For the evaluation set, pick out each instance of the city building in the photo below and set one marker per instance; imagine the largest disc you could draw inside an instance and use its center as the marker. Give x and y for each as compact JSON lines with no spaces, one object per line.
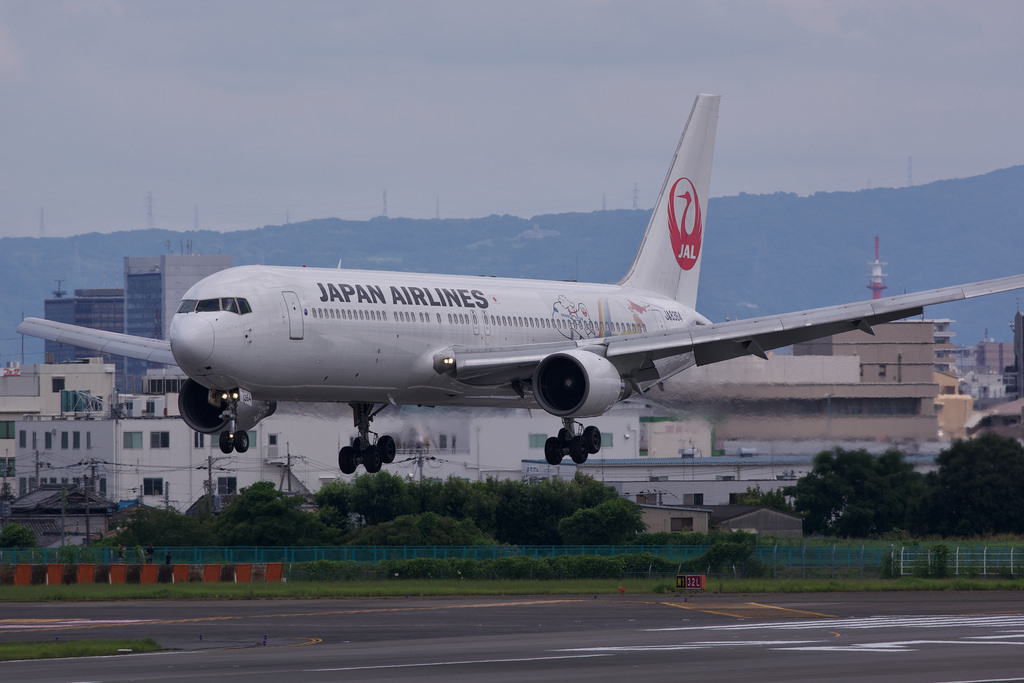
{"x":153,"y":288}
{"x":101,"y":309}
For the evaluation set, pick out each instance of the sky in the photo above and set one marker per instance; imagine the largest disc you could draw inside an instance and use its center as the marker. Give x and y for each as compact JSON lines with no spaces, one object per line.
{"x":234,"y":114}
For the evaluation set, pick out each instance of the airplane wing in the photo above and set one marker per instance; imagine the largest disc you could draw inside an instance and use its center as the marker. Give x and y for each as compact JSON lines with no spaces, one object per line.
{"x":720,"y":341}
{"x":753,"y":336}
{"x":142,"y":348}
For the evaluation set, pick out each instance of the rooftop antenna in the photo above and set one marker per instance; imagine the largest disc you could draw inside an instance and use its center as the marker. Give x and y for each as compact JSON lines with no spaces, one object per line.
{"x":876,"y":278}
{"x":59,"y":292}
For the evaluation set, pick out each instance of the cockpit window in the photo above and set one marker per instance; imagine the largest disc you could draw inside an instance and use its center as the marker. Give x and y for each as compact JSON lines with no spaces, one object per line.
{"x":228,"y":304}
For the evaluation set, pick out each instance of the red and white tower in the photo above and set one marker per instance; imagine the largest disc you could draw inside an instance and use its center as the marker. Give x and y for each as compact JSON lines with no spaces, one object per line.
{"x":876,"y":278}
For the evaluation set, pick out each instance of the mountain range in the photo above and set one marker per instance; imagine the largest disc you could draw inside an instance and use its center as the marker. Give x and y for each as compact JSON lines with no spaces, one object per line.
{"x":762,"y":253}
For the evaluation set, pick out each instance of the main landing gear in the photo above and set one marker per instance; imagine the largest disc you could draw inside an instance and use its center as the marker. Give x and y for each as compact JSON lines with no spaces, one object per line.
{"x":573,"y":440}
{"x":372,"y":454}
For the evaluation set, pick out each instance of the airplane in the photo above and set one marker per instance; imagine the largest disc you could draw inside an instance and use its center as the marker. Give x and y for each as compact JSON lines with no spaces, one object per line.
{"x":251,"y":336}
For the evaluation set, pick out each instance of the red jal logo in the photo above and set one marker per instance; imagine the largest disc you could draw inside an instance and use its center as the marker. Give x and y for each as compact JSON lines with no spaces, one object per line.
{"x":685,"y":227}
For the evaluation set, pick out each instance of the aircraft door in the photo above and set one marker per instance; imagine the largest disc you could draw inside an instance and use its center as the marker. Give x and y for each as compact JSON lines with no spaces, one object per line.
{"x":476,"y":323}
{"x":295,"y":323}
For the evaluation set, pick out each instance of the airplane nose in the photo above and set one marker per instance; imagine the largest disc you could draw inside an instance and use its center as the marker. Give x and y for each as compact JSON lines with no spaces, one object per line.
{"x":192,"y":340}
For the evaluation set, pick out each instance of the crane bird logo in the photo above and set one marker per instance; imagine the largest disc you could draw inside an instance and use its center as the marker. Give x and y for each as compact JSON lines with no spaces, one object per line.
{"x":685,"y":225}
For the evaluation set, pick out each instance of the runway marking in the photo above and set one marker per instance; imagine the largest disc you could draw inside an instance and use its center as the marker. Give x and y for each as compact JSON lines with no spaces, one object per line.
{"x":697,"y":645}
{"x":798,"y":611}
{"x":16,"y":625}
{"x":860,"y":623}
{"x":455,"y":663}
{"x":737,"y":608}
{"x":707,"y":611}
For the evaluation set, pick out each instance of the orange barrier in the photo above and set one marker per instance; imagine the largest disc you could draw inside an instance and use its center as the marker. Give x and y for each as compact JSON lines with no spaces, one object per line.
{"x":54,"y":574}
{"x":149,"y":573}
{"x":23,"y":575}
{"x":86,"y":573}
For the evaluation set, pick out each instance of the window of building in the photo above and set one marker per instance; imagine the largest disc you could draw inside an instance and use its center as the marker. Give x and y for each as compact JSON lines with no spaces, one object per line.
{"x":22,"y":435}
{"x":159,"y":439}
{"x":57,"y":384}
{"x":537,"y":440}
{"x":76,"y":439}
{"x":88,"y":440}
{"x":442,"y":441}
{"x":226,"y":485}
{"x":64,"y":440}
{"x":681,"y":523}
{"x":198,"y":439}
{"x":47,"y":440}
{"x":133,"y":439}
{"x":35,"y":440}
{"x":153,"y":486}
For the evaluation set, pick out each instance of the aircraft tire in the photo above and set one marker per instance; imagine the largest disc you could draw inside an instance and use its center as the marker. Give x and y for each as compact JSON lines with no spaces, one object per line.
{"x":592,"y":439}
{"x":553,"y":450}
{"x":578,"y":450}
{"x":227,"y":444}
{"x":347,"y":460}
{"x":386,"y":448}
{"x":564,"y":435}
{"x":371,"y":459}
{"x":241,"y":442}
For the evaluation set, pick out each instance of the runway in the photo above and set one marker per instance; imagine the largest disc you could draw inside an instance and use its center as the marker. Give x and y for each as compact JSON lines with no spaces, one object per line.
{"x":933,"y":637}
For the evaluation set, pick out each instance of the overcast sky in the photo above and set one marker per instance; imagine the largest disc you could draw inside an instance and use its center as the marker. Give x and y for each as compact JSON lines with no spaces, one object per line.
{"x":241,"y":113}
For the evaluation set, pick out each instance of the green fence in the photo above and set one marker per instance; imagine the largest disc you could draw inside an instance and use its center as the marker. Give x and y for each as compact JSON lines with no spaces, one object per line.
{"x":867,"y":560}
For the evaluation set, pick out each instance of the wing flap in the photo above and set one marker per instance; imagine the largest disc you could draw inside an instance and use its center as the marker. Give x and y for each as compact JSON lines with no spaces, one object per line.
{"x":142,"y":348}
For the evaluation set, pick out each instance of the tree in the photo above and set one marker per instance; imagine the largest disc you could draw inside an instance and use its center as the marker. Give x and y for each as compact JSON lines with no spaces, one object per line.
{"x":612,"y":522}
{"x":776,"y":499}
{"x":978,"y":489}
{"x":855,"y":494}
{"x":164,"y":527}
{"x":262,"y":515}
{"x":381,"y":497}
{"x":17,"y":536}
{"x":425,"y":529}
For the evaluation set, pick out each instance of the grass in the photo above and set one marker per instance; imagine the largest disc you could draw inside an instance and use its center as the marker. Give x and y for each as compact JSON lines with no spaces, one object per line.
{"x":309,"y":590}
{"x":73,"y":648}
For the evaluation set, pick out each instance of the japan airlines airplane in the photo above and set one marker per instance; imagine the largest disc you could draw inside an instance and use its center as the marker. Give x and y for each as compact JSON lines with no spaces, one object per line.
{"x":250,"y":336}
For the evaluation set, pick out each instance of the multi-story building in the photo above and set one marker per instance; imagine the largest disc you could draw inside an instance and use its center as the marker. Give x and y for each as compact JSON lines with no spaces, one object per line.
{"x":153,"y":288}
{"x":100,"y":309}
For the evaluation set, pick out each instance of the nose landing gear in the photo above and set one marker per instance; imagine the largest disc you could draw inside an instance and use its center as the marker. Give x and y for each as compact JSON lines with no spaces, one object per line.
{"x":230,"y":440}
{"x":373,"y":454}
{"x":573,"y":440}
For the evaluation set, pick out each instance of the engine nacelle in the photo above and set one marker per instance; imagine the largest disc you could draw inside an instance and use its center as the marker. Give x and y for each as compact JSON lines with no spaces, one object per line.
{"x":577,"y":383}
{"x":203,"y":409}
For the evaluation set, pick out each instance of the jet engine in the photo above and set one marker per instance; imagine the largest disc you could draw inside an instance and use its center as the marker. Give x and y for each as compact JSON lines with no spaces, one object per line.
{"x":577,"y":383}
{"x":204,"y":409}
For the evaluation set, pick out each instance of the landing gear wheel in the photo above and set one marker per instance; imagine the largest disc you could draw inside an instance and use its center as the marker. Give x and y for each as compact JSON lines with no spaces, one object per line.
{"x":371,"y":459}
{"x":578,"y":450}
{"x":227,"y":443}
{"x":553,"y":450}
{"x":386,"y":448}
{"x":358,"y":445}
{"x":592,"y":439}
{"x":347,"y":460}
{"x":565,"y":435}
{"x":242,"y":442}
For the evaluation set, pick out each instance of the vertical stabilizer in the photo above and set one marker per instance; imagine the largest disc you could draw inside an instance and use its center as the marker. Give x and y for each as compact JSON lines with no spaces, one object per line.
{"x":669,"y":258}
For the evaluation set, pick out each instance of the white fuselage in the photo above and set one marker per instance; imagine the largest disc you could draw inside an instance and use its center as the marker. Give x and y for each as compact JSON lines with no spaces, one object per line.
{"x":318,"y":334}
